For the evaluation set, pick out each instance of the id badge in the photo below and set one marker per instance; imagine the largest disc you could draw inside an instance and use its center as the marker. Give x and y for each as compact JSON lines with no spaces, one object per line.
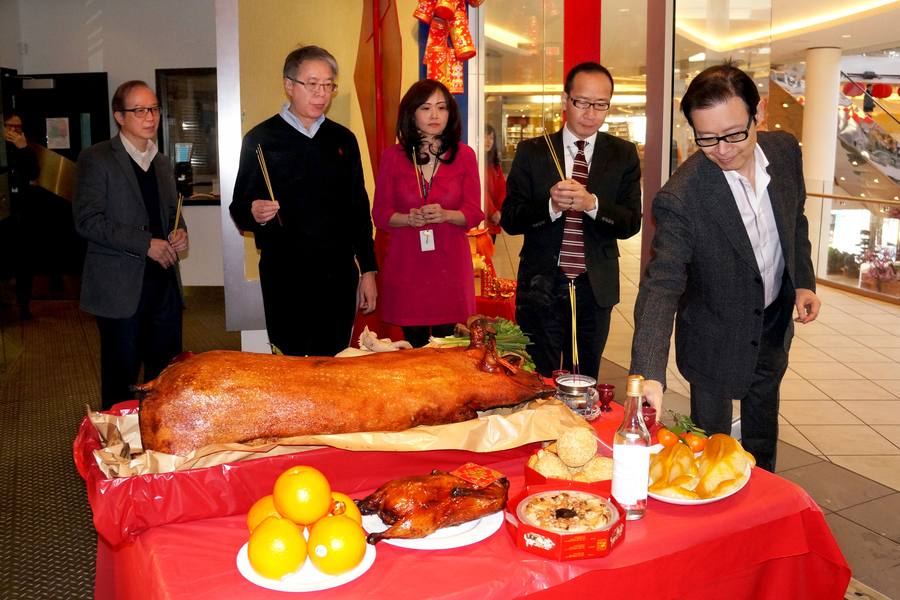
{"x":426,"y":237}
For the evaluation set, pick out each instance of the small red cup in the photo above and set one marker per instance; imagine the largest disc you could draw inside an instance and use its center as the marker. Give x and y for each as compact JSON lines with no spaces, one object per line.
{"x":559,"y":372}
{"x":606,"y":393}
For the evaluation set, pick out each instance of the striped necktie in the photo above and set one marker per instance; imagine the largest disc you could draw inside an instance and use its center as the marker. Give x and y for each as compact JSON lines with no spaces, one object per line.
{"x":571,"y":255}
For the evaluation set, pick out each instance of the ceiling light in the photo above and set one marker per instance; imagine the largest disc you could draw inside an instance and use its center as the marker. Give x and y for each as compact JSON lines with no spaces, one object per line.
{"x":504,"y":36}
{"x":777,"y":126}
{"x":846,"y":36}
{"x":784,"y":105}
{"x":843,"y":179}
{"x":876,"y":181}
{"x":697,"y":57}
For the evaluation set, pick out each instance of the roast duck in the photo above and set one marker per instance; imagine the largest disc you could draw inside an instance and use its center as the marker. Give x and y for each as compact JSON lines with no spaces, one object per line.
{"x":723,"y":468}
{"x":420,"y":505}
{"x":227,"y":397}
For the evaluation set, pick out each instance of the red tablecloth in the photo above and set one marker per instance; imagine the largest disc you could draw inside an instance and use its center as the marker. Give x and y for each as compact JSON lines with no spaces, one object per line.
{"x":769,"y":540}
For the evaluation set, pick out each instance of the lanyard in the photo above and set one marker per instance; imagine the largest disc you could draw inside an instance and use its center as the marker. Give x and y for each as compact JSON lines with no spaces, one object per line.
{"x":424,"y":184}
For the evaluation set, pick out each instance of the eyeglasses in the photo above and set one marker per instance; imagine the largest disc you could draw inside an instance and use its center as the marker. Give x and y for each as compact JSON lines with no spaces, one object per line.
{"x":13,"y":126}
{"x":731,"y":138}
{"x":313,"y":86}
{"x":584,"y":104}
{"x":141,"y":111}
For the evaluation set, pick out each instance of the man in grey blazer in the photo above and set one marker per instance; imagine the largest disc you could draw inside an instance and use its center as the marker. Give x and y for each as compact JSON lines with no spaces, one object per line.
{"x":731,"y":260}
{"x":125,"y":205}
{"x":595,"y":212}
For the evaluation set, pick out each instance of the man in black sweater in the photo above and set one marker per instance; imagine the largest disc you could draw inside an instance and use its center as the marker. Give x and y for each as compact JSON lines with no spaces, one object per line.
{"x":315,"y":235}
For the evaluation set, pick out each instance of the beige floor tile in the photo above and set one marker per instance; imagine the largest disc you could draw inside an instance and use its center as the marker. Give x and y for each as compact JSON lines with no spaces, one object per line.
{"x":790,"y":374}
{"x":619,"y":338}
{"x":834,"y":440}
{"x":842,"y":389}
{"x":807,"y":354}
{"x":880,"y":318}
{"x":891,"y":432}
{"x":790,"y":435}
{"x":832,"y":315}
{"x":891,"y":385}
{"x":856,"y":355}
{"x":892,"y":353}
{"x":800,"y":389}
{"x":875,"y":412}
{"x":814,"y":328}
{"x":826,"y":369}
{"x":878,"y":370}
{"x":798,"y":343}
{"x":858,"y":328}
{"x":883,"y":469}
{"x":782,"y":422}
{"x":836,"y":340}
{"x":618,"y":354}
{"x":877,"y":341}
{"x":818,"y":412}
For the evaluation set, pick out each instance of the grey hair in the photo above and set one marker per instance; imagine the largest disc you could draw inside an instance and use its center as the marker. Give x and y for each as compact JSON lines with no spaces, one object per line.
{"x":304,"y":53}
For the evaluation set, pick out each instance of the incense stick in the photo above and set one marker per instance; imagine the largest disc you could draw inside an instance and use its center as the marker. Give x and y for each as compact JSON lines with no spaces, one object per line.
{"x":562,"y":175}
{"x":575,"y":368}
{"x":265,"y":173}
{"x":178,"y":213}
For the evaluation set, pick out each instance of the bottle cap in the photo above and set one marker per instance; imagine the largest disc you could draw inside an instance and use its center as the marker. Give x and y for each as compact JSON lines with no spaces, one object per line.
{"x":635,"y":385}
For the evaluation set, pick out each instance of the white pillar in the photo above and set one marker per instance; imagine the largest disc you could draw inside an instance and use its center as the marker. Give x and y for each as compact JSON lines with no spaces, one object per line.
{"x":820,"y":117}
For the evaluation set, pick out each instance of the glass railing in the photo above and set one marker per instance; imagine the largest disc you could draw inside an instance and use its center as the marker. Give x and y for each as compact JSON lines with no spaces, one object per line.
{"x":863,"y":244}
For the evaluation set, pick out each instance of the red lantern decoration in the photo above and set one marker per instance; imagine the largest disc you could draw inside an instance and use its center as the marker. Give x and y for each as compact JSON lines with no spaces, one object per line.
{"x":852,"y":90}
{"x":881,"y":90}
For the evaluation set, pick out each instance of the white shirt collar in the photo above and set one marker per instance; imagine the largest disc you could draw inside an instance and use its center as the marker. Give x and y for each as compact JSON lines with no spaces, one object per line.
{"x":294,"y":122}
{"x":569,"y":138}
{"x":143,"y":159}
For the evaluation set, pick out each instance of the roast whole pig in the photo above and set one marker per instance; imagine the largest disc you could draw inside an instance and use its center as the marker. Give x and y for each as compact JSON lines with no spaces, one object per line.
{"x":240,"y":397}
{"x":420,"y":505}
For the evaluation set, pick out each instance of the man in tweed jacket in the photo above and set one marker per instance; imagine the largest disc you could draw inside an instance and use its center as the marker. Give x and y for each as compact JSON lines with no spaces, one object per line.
{"x":731,"y":261}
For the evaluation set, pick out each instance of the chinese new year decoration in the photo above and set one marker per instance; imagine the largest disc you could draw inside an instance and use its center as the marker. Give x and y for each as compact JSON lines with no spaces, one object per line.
{"x":448,"y":22}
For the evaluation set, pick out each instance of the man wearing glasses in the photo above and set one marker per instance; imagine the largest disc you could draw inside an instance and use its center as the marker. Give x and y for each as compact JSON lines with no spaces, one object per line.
{"x":317,"y":227}
{"x":731,"y":260}
{"x":125,"y":205}
{"x":571,"y":225}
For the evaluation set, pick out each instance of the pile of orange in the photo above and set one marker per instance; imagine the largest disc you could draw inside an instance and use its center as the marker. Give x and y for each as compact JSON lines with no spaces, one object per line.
{"x":302,"y":498}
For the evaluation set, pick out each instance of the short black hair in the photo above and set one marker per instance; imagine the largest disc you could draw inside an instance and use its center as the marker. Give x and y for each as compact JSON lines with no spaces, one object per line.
{"x":408,"y":133}
{"x":121,"y":95}
{"x":587,"y":67}
{"x":304,"y":53}
{"x":717,"y":85}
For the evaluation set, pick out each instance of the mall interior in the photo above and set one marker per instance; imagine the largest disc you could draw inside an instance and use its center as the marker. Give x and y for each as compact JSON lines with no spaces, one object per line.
{"x":828,"y":72}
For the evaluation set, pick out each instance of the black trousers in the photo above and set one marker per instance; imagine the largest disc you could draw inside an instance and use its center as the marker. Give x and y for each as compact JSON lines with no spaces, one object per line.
{"x":152,"y":337}
{"x":308,"y":313}
{"x":759,"y":408}
{"x":550,"y":328}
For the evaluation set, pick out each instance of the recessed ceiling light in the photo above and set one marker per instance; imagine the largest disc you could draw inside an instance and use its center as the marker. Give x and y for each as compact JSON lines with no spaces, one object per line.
{"x":862,"y":195}
{"x":876,"y":181}
{"x":843,"y":179}
{"x":777,"y":126}
{"x":784,"y":105}
{"x":846,"y":36}
{"x":624,"y":9}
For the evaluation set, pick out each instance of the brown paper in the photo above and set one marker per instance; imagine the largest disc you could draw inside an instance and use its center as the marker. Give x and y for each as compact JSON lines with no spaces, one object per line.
{"x":494,"y":430}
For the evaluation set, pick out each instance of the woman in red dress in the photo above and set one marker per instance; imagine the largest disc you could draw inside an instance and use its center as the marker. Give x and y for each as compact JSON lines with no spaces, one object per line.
{"x":427,"y":196}
{"x":494,"y":183}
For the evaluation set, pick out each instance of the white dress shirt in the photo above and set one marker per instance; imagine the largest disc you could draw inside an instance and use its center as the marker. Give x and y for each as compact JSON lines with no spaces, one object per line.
{"x":294,"y":122}
{"x":759,"y":221}
{"x":571,"y":150}
{"x":143,"y":159}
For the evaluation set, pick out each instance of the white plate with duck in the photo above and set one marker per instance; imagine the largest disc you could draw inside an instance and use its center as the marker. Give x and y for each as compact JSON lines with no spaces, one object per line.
{"x":442,"y":539}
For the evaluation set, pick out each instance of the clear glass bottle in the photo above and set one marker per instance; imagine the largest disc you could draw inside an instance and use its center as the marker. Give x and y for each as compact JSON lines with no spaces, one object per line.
{"x":631,"y":454}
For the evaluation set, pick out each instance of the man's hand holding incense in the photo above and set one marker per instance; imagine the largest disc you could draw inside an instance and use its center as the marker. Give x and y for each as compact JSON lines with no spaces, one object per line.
{"x":570,"y":195}
{"x":264,"y":210}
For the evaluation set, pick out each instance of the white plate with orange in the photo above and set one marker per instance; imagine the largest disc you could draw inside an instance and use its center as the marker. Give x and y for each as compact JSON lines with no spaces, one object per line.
{"x":307,"y":579}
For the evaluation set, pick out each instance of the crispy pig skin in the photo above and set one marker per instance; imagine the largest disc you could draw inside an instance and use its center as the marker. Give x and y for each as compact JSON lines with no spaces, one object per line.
{"x":226,"y":397}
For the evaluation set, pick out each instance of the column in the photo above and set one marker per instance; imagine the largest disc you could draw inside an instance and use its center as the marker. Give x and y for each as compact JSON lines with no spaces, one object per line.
{"x":823,"y":76}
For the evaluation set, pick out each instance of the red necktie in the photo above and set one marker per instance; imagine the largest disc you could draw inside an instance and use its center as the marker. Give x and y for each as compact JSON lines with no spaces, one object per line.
{"x":571,"y":255}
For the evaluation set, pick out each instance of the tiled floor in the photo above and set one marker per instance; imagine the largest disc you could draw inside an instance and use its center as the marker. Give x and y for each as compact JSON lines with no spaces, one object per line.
{"x":840,"y":414}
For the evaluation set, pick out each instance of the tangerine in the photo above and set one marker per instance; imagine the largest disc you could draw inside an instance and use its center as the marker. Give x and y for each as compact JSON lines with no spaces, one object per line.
{"x":302,"y":494}
{"x":337,"y":544}
{"x":342,"y":504}
{"x":276,"y":548}
{"x":261,"y":510}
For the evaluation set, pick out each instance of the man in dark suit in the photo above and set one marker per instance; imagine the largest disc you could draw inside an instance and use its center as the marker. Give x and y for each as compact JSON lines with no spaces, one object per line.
{"x":571,"y":225}
{"x":731,"y":259}
{"x":125,"y":205}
